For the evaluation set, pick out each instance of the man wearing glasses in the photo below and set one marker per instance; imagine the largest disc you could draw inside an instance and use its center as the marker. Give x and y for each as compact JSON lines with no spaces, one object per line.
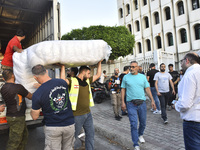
{"x":188,"y":103}
{"x":135,"y":85}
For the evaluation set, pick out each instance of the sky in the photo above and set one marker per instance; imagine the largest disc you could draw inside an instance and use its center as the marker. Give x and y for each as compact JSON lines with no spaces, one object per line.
{"x":76,"y":14}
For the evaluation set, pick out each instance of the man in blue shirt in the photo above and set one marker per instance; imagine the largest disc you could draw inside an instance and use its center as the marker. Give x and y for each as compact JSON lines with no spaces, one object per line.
{"x":53,"y":97}
{"x":134,"y":85}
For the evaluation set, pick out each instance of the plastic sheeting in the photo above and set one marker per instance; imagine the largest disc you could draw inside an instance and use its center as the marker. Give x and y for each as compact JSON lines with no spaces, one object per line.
{"x":71,"y":53}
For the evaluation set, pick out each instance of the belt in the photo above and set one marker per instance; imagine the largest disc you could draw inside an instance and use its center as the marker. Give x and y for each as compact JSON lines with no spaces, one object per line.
{"x":191,"y":121}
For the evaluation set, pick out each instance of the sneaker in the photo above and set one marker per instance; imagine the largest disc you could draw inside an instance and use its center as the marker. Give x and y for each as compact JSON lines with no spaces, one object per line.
{"x":137,"y":148}
{"x":157,"y":112}
{"x":141,"y":139}
{"x":165,"y":122}
{"x":151,"y":110}
{"x":117,"y":118}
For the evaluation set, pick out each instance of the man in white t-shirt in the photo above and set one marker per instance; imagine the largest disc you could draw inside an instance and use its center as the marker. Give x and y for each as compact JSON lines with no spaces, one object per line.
{"x":162,"y":80}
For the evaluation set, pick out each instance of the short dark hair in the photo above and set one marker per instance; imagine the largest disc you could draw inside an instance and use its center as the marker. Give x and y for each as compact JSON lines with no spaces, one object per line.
{"x":38,"y":70}
{"x":75,"y":70}
{"x":104,"y":71}
{"x":7,"y":74}
{"x":126,"y":68}
{"x":20,"y":33}
{"x":161,"y":64}
{"x":192,"y":58}
{"x":83,"y":68}
{"x":151,"y":65}
{"x":134,"y":62}
{"x":170,"y":65}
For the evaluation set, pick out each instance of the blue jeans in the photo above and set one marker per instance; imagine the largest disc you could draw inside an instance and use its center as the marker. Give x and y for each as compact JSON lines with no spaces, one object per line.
{"x":191,"y":132}
{"x":155,"y":97}
{"x":86,"y":122}
{"x":135,"y":112}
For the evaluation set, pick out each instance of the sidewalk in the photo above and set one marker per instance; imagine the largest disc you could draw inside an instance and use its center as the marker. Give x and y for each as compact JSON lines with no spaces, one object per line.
{"x":157,"y":135}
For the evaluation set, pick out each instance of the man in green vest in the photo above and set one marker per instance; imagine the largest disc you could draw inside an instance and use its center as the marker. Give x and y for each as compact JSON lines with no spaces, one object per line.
{"x":81,"y":100}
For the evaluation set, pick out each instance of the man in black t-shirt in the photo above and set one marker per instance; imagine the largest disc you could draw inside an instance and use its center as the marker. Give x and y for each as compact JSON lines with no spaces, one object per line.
{"x":150,"y":75}
{"x":126,"y":71}
{"x":14,"y":97}
{"x":175,"y":80}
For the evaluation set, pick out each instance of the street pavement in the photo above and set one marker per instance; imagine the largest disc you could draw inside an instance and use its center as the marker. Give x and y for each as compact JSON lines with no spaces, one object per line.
{"x":158,"y":136}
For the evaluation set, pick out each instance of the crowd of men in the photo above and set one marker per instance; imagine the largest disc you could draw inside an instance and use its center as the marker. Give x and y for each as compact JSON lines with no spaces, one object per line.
{"x":66,"y":102}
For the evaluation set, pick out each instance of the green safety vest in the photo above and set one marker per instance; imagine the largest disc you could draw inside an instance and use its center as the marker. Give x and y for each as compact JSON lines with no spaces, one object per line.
{"x":73,"y":93}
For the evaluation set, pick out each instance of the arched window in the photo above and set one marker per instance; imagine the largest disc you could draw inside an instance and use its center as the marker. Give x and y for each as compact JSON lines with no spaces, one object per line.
{"x":159,"y":44}
{"x":138,"y":25}
{"x":197,"y":31}
{"x":195,"y":4}
{"x":156,"y":16}
{"x":121,"y":13}
{"x":139,"y":47}
{"x":183,"y":36}
{"x":136,"y":4}
{"x":167,"y":13}
{"x":180,"y":8}
{"x":146,"y":22}
{"x":130,"y":28}
{"x":148,"y":45}
{"x":127,"y":9}
{"x":144,"y":2}
{"x":170,"y":39}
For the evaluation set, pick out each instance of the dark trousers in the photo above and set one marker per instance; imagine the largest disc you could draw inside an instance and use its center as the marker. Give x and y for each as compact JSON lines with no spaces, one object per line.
{"x":18,"y":133}
{"x":172,"y":96}
{"x":191,"y":132}
{"x":163,"y":103}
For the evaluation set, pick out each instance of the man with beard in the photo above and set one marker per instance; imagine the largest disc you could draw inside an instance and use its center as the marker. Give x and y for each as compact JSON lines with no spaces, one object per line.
{"x":162,"y":80}
{"x":134,"y":85}
{"x":81,"y":99}
{"x":114,"y":86}
{"x":188,"y":103}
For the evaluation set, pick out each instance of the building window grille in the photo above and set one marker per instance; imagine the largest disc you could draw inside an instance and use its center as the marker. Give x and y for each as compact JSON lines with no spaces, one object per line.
{"x":167,"y":13}
{"x":180,"y":8}
{"x":144,"y":2}
{"x":170,"y":39}
{"x":138,"y":25}
{"x":158,"y":39}
{"x":197,"y":31}
{"x":140,"y":47}
{"x":195,"y":4}
{"x":156,"y":15}
{"x":183,"y":36}
{"x":129,"y":28}
{"x":146,"y":22}
{"x":128,"y":9}
{"x":148,"y":45}
{"x":136,"y":4}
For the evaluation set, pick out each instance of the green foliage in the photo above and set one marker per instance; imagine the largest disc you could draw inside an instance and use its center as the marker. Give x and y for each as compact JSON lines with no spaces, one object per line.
{"x":119,"y":38}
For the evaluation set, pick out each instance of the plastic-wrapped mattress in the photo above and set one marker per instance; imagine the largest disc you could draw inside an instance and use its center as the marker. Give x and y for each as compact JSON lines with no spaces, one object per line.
{"x":71,"y":53}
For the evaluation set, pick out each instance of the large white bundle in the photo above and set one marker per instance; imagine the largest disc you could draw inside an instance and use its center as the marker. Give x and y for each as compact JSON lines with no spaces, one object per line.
{"x":70,"y":53}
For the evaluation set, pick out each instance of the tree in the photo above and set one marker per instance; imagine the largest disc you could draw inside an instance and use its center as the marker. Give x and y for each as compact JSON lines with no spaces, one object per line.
{"x":119,"y":38}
